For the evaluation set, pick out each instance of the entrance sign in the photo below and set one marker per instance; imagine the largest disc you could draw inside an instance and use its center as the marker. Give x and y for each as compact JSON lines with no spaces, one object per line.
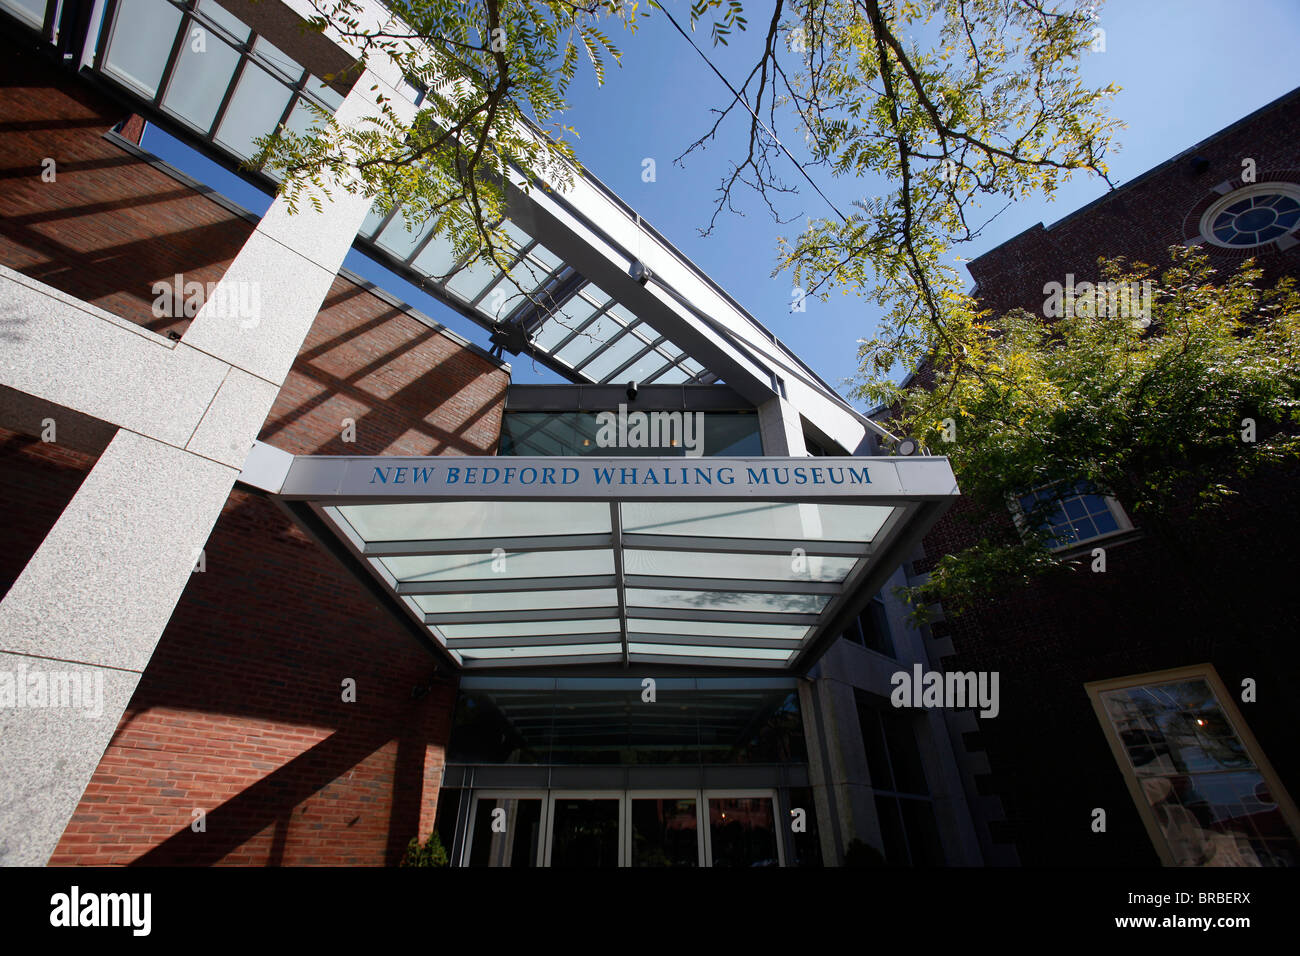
{"x":590,"y":478}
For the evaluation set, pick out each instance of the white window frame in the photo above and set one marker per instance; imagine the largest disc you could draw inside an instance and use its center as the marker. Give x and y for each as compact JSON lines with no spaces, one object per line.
{"x":1273,"y":187}
{"x":1123,"y":525}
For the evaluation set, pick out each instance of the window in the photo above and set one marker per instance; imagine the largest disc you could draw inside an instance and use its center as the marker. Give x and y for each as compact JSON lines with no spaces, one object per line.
{"x":1073,"y":515}
{"x":1253,"y":216}
{"x":871,"y":628}
{"x":1206,"y":792}
{"x":903,"y":803}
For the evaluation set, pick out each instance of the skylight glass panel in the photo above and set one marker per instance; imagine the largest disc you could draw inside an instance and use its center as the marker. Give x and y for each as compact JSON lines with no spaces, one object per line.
{"x":198,"y":84}
{"x":318,"y":89}
{"x":449,"y":520}
{"x":757,"y":519}
{"x":280,"y":62}
{"x":452,"y":604}
{"x":401,"y":241}
{"x":691,"y":650}
{"x":673,"y":376}
{"x":715,"y":629}
{"x":566,"y":319}
{"x":436,"y":259}
{"x":507,"y":630}
{"x":644,"y":367}
{"x":254,"y":110}
{"x":142,"y":38}
{"x":747,"y":601}
{"x":552,"y":650}
{"x":224,"y":20}
{"x":741,"y":567}
{"x":371,"y":222}
{"x":589,"y":339}
{"x":614,"y":356}
{"x":31,"y":11}
{"x":499,"y":567}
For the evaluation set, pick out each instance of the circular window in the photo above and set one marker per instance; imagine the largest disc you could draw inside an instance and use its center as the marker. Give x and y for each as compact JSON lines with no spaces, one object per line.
{"x":1253,"y":216}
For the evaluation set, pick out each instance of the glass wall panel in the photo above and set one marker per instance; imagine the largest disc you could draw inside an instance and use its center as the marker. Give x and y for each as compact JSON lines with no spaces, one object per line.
{"x":720,"y":721}
{"x":725,"y":433}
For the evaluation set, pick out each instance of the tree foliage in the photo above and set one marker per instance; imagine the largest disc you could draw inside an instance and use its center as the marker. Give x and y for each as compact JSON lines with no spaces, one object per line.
{"x":991,"y":106}
{"x":1162,"y":412}
{"x":495,"y":77}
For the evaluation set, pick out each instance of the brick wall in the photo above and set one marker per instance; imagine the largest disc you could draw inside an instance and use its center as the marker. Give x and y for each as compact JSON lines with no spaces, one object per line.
{"x":1222,"y":593}
{"x":240,"y":712}
{"x":1143,"y":219}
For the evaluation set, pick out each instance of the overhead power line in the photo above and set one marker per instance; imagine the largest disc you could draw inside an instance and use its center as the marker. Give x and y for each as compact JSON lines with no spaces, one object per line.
{"x":745,"y":102}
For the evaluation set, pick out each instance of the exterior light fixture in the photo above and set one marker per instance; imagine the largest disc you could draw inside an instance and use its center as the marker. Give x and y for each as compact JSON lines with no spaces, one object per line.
{"x":907,"y":447}
{"x":631,"y":391}
{"x":638,"y":271}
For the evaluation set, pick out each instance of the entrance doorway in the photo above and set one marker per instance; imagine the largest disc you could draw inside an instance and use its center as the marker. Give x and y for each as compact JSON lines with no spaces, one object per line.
{"x":671,"y":828}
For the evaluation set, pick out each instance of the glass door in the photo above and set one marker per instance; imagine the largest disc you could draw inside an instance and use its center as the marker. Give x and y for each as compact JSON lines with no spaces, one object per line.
{"x":505,"y":830}
{"x":585,"y":830}
{"x":664,"y":830}
{"x":597,"y":829}
{"x":742,"y":829}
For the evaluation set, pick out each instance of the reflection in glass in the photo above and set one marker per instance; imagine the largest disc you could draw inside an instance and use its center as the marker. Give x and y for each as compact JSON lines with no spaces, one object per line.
{"x":1209,"y":799}
{"x":585,"y":833}
{"x":742,"y":831}
{"x":664,"y":833}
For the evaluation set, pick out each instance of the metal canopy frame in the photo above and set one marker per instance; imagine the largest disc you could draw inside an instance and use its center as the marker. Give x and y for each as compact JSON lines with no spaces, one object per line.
{"x":683,"y":328}
{"x":806,"y":613}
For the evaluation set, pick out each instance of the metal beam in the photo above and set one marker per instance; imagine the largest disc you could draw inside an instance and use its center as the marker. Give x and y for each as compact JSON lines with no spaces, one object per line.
{"x":616,"y":522}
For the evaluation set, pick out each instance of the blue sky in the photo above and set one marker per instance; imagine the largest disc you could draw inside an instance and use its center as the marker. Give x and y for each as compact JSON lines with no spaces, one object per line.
{"x":1187,"y":68}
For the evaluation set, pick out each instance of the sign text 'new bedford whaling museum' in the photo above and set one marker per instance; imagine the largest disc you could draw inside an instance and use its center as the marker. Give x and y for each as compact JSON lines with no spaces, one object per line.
{"x":599,"y":478}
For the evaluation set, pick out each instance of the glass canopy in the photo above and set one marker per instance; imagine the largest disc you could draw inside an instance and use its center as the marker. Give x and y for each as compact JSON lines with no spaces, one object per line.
{"x":533,"y":562}
{"x":200,"y":67}
{"x":583,"y":331}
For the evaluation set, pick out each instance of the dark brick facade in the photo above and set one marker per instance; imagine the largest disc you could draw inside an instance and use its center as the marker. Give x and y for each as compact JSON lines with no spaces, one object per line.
{"x":240,"y":712}
{"x":1221,"y":594}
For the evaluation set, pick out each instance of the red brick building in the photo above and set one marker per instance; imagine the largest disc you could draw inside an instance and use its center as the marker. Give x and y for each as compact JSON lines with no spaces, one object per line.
{"x":1225,"y":601}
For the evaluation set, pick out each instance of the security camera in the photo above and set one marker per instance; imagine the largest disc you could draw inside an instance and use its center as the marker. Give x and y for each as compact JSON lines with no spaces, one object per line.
{"x":631,"y":391}
{"x":638,"y":271}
